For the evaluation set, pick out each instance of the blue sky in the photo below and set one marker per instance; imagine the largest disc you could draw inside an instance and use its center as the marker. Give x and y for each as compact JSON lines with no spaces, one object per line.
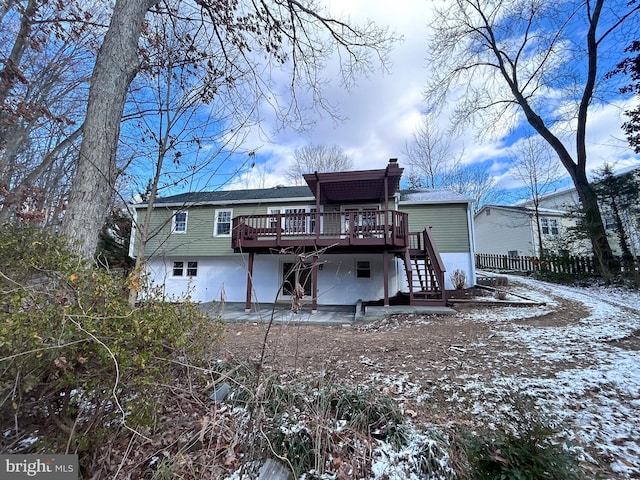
{"x":381,"y":112}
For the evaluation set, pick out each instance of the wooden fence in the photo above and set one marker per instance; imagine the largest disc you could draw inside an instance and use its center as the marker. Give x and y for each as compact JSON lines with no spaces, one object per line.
{"x":573,"y":265}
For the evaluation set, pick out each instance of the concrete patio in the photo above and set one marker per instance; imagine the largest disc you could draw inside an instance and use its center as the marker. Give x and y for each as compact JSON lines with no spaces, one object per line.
{"x":326,"y":314}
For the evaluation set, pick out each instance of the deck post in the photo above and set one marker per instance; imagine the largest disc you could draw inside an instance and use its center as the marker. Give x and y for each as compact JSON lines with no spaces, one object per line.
{"x":247,"y":304}
{"x":314,"y":285}
{"x":385,"y":269}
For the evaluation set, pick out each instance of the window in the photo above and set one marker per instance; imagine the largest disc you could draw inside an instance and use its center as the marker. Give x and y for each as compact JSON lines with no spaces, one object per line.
{"x":363,"y":269}
{"x":366,"y":220}
{"x":293,"y":220}
{"x":179,"y":269}
{"x":544,"y":225}
{"x":549,"y":226}
{"x":192,"y":269}
{"x":488,"y":212}
{"x":179,"y":222}
{"x":222,"y":227}
{"x":512,"y":253}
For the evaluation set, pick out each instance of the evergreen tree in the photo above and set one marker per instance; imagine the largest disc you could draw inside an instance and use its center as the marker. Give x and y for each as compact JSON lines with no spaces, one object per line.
{"x":618,"y":195}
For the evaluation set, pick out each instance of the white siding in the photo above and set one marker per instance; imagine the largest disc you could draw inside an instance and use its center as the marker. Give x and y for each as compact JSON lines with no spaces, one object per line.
{"x":503,"y":231}
{"x":226,"y":277}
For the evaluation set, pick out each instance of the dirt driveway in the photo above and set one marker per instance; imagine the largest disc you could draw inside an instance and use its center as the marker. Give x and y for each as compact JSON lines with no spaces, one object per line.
{"x":577,"y":355}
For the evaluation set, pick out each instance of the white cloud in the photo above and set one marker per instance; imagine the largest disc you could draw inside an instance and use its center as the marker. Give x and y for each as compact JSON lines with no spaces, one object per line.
{"x":381,"y":111}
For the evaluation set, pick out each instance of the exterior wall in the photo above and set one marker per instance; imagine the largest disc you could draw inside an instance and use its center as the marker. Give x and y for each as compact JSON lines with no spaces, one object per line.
{"x":452,"y":261}
{"x":453,"y":233}
{"x":225,"y":277}
{"x":562,"y":242}
{"x":222,"y":273}
{"x":501,"y":232}
{"x":448,"y":223}
{"x":199,"y":239}
{"x":569,"y":201}
{"x":505,"y":231}
{"x":565,"y":200}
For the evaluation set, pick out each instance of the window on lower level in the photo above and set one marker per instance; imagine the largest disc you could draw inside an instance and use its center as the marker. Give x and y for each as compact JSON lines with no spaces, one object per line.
{"x":363,"y":269}
{"x":181,"y":269}
{"x":549,"y":226}
{"x":512,"y":253}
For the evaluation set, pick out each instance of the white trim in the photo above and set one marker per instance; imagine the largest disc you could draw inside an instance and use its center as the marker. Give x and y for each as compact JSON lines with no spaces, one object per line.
{"x":173,"y":222}
{"x":215,"y":222}
{"x":185,"y":269}
{"x":360,"y":207}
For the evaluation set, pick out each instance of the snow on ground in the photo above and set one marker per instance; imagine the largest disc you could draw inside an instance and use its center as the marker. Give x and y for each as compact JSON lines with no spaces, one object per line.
{"x":582,"y":368}
{"x":598,"y":400}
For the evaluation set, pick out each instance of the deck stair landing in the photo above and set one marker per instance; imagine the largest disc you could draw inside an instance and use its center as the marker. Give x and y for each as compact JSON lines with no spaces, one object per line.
{"x":425,"y":271}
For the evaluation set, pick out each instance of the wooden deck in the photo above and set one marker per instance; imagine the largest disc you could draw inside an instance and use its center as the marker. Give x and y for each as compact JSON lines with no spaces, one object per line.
{"x":375,"y":229}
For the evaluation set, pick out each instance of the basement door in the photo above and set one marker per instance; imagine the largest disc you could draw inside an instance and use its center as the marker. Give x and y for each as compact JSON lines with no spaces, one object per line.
{"x":293,"y":273}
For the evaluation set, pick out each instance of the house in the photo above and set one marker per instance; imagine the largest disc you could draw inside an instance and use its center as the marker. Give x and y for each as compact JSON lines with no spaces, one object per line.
{"x":513,"y":230}
{"x":343,"y":237}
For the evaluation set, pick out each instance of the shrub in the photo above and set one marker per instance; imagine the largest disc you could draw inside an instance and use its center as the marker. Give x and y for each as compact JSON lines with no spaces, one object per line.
{"x":78,"y":363}
{"x":315,"y":425}
{"x":458,"y":279}
{"x":523,"y":448}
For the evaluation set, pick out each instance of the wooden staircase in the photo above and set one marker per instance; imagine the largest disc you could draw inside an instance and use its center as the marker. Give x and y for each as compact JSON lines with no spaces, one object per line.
{"x":425,"y":271}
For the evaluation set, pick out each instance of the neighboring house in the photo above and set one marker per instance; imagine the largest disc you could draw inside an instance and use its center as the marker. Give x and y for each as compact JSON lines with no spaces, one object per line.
{"x":513,"y":231}
{"x":344,"y":237}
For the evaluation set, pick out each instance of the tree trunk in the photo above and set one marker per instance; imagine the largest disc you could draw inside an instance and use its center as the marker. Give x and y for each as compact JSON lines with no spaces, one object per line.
{"x":11,"y":72}
{"x":586,"y":193}
{"x":594,"y":224}
{"x":541,"y":254}
{"x":116,"y":66}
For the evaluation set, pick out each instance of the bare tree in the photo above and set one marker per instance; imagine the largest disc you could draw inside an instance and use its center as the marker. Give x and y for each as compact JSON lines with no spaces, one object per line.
{"x":432,"y":159}
{"x":630,"y":66}
{"x":291,"y":34}
{"x":435,"y":163}
{"x":317,"y":158}
{"x":534,"y":165}
{"x":476,"y":181}
{"x":524,"y":57}
{"x":172,"y":128}
{"x":43,"y":92}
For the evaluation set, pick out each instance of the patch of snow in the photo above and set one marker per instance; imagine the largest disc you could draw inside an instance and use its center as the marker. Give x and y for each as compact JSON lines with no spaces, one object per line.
{"x":424,"y":455}
{"x":592,"y":387}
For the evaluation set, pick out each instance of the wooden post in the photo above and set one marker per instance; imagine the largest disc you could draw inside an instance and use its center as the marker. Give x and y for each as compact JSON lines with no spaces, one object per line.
{"x":247,"y":304}
{"x":314,"y":285}
{"x":385,"y":269}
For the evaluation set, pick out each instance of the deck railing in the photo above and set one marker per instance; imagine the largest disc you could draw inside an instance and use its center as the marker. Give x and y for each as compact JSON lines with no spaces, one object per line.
{"x":371,"y":227}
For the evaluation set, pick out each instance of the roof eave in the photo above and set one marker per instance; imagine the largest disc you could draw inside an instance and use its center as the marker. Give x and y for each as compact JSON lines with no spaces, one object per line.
{"x":227,"y":202}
